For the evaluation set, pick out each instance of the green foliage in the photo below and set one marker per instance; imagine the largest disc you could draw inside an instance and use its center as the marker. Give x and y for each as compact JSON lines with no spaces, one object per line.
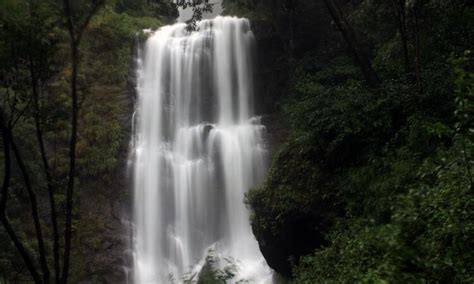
{"x":464,"y":92}
{"x":382,"y":178}
{"x":106,"y":59}
{"x":371,"y":186}
{"x":165,"y":10}
{"x":410,"y":218}
{"x":426,"y":240}
{"x":299,"y":196}
{"x":103,"y":136}
{"x":296,"y":199}
{"x":33,"y":38}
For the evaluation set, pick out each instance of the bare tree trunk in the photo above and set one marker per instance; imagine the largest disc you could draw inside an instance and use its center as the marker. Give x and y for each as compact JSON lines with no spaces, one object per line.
{"x":403,"y":35}
{"x":400,"y":10}
{"x":72,"y":163}
{"x":3,"y":202}
{"x":416,"y":31}
{"x":361,"y":59}
{"x":46,"y":169}
{"x":290,"y":7}
{"x":34,"y":209}
{"x":75,"y":35}
{"x":34,"y":205}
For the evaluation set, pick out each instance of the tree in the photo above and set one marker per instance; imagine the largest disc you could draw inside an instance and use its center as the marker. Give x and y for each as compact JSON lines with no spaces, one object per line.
{"x":6,"y":137}
{"x":76,"y":25}
{"x":290,"y":7}
{"x":27,"y":68}
{"x":357,"y":52}
{"x":401,"y":15}
{"x":39,"y":65}
{"x":25,"y":58}
{"x":199,"y":7}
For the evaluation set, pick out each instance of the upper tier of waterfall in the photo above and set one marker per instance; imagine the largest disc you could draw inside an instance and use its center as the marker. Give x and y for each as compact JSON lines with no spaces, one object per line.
{"x":198,"y":147}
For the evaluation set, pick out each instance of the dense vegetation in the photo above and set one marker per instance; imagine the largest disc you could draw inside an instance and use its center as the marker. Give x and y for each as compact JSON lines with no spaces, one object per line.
{"x":374,"y":182}
{"x":370,"y":109}
{"x":35,"y":106}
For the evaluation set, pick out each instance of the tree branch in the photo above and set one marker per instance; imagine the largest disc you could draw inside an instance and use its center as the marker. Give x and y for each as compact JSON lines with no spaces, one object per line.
{"x":349,"y":36}
{"x":3,"y":202}
{"x":75,"y":39}
{"x":34,"y":209}
{"x":46,"y":170}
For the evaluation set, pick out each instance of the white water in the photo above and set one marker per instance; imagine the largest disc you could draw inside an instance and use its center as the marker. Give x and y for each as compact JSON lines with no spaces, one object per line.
{"x":198,"y":148}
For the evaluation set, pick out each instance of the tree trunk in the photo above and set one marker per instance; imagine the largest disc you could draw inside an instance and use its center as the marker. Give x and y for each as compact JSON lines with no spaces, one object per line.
{"x":290,"y":7}
{"x":3,"y":202}
{"x":400,"y":10}
{"x":46,"y":170}
{"x":75,"y":35}
{"x":361,"y":59}
{"x":34,"y":209}
{"x":72,"y":162}
{"x":416,"y":32}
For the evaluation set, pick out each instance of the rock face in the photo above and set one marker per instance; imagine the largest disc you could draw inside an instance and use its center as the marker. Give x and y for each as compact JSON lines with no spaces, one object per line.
{"x":302,"y":222}
{"x":294,"y":208}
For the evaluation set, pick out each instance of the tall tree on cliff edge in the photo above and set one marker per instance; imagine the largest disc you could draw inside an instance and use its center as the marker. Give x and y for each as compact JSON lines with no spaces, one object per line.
{"x":76,"y":25}
{"x":39,"y":64}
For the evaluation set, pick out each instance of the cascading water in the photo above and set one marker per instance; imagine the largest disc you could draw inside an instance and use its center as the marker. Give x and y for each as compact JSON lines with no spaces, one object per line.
{"x":198,"y":148}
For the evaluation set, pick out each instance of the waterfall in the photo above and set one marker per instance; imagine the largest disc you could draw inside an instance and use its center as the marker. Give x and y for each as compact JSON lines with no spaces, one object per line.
{"x":198,"y":147}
